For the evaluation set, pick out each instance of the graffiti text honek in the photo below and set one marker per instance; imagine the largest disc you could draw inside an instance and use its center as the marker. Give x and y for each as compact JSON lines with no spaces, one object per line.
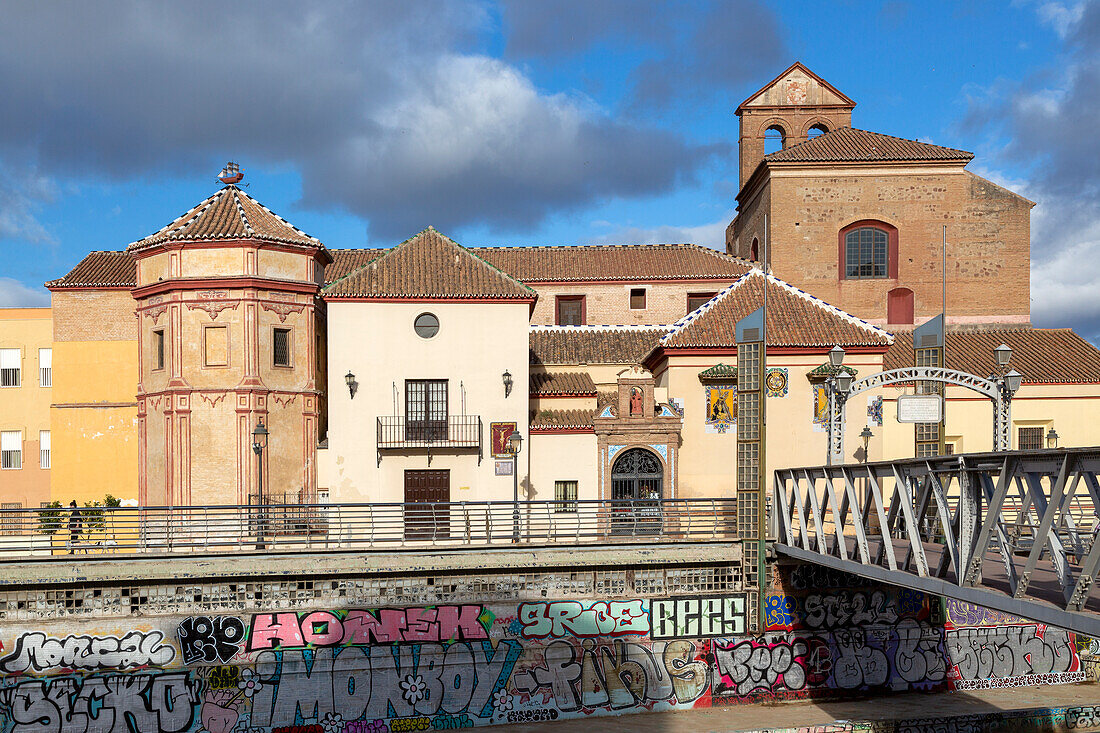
{"x":698,"y":617}
{"x":354,"y":628}
{"x":572,"y":618}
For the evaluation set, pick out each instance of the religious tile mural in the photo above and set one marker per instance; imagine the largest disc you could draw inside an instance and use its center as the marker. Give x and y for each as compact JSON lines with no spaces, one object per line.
{"x":721,"y":408}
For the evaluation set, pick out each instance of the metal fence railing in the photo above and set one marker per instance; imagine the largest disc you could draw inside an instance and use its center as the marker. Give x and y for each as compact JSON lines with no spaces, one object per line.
{"x":452,"y":431}
{"x":304,"y":527}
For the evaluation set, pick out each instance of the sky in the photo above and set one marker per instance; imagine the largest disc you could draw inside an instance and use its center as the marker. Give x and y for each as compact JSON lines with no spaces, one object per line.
{"x":516,"y":122}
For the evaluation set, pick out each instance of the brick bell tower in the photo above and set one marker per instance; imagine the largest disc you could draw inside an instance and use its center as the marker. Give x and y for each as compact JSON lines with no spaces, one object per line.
{"x":792,"y":104}
{"x":227,"y":300}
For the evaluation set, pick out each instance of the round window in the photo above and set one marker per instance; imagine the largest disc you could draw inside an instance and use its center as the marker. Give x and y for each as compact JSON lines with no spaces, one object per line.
{"x":426,"y":325}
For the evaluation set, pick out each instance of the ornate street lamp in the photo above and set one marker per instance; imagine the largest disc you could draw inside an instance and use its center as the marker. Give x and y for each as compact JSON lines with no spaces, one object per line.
{"x":1052,"y":438}
{"x":349,"y":378}
{"x":259,"y":442}
{"x":866,"y":434}
{"x":507,"y":377}
{"x":1003,"y":355}
{"x":836,"y":357}
{"x":515,"y":445}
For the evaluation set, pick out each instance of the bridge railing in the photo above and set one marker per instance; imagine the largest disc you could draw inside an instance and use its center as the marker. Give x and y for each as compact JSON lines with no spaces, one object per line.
{"x":1022,"y":522}
{"x":306,"y":527}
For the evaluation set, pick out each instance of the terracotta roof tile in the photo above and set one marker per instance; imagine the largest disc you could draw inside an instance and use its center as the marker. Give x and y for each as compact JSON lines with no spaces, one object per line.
{"x":795,"y":318}
{"x":614,"y":262}
{"x":429,"y":265}
{"x":593,"y":344}
{"x":575,"y":384}
{"x":344,"y":261}
{"x":100,"y":270}
{"x":848,"y":144}
{"x":550,"y":420}
{"x":229,"y":214}
{"x":1041,"y":355}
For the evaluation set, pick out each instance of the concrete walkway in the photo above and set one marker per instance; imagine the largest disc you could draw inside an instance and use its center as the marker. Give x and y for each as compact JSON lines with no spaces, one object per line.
{"x":1045,"y":708}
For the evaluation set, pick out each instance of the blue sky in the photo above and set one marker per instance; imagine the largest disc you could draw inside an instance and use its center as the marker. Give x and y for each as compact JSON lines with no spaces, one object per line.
{"x":515,"y":122}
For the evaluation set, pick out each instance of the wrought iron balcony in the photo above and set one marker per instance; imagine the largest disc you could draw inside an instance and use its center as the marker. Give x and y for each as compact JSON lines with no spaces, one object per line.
{"x":456,"y":431}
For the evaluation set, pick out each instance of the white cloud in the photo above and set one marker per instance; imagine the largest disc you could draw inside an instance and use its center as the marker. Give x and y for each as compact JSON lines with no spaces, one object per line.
{"x":14,"y":294}
{"x":711,"y":235}
{"x":22,"y":194}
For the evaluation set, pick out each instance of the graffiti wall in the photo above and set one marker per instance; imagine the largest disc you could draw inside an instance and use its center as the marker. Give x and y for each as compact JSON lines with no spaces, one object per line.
{"x":373,"y":670}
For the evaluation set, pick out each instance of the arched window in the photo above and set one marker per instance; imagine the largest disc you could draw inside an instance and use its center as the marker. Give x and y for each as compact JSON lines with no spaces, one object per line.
{"x":816,"y":131}
{"x":868,"y":250}
{"x":775,"y":139}
{"x":754,"y":250}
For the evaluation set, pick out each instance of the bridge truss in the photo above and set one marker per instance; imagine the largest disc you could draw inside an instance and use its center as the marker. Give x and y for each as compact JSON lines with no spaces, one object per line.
{"x":1014,"y":531}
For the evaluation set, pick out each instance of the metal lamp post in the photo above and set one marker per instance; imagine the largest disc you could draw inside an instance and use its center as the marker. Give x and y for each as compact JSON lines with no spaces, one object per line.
{"x":259,"y":442}
{"x":1052,"y":438}
{"x":515,"y":445}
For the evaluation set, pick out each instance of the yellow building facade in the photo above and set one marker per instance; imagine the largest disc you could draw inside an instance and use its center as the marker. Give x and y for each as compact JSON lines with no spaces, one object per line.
{"x":26,"y":376}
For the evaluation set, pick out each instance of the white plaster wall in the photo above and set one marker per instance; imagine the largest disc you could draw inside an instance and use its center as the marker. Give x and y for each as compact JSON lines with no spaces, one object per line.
{"x":564,"y":457}
{"x":476,"y":343}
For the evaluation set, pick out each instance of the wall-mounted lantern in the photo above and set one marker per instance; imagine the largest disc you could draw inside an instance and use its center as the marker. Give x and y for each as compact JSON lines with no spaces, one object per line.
{"x":508,"y":382}
{"x":352,"y":384}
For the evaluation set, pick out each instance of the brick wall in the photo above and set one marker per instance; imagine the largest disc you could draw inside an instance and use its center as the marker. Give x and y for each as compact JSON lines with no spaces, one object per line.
{"x":988,"y":231}
{"x":609,"y":303}
{"x":94,"y":315}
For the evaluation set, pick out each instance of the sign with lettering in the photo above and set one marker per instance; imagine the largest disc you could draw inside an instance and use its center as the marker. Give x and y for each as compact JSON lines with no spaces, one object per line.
{"x":920,"y":408}
{"x":504,"y":468}
{"x":704,"y":617}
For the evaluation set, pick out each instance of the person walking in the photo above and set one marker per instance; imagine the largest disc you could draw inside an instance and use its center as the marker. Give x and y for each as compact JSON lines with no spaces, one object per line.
{"x":76,"y":523}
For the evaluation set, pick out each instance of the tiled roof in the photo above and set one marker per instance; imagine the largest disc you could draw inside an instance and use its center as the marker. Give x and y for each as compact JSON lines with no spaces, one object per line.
{"x":1042,"y":355}
{"x":566,"y":263}
{"x":561,"y":420}
{"x":345,"y":261}
{"x":846,"y":144}
{"x":229,"y":214}
{"x":552,"y":384}
{"x":795,"y":318}
{"x":593,"y":344}
{"x":718,"y":372}
{"x":614,"y":262}
{"x":429,"y":265}
{"x":100,"y":270}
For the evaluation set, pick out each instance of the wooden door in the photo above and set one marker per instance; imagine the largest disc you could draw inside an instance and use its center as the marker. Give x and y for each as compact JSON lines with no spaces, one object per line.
{"x":426,"y":496}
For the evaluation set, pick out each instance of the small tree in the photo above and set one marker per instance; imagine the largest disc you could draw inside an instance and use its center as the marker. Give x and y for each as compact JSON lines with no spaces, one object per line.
{"x":50,"y":518}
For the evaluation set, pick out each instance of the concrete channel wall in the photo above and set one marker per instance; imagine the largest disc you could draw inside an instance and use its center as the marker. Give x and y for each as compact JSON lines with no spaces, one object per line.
{"x":360,"y":643}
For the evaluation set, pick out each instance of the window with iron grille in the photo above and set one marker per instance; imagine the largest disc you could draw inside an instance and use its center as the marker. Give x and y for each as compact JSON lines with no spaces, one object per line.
{"x":10,"y":363}
{"x":45,"y":367}
{"x":158,"y":350}
{"x":44,"y":448}
{"x":570,"y":310}
{"x":1030,"y":439}
{"x":10,"y":521}
{"x":11,"y":449}
{"x":281,"y":346}
{"x":425,"y":409}
{"x":565,"y":496}
{"x":637,"y":298}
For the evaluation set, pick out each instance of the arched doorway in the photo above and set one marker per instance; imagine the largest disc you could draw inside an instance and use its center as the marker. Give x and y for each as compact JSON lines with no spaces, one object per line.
{"x":637,"y":475}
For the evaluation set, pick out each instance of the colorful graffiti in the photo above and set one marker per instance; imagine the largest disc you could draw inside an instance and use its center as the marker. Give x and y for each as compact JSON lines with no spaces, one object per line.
{"x":442,"y":667}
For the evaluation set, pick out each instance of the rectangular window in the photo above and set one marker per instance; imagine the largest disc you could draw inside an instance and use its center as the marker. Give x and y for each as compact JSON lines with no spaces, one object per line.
{"x":280,"y":347}
{"x":11,"y":449}
{"x":570,"y":310}
{"x":10,"y":363}
{"x":11,"y":520}
{"x":158,"y":350}
{"x":45,"y":367}
{"x":695,"y":300}
{"x":565,"y":496}
{"x":637,"y":299}
{"x":426,"y":409}
{"x":1030,"y":439}
{"x":44,"y":448}
{"x":215,"y":346}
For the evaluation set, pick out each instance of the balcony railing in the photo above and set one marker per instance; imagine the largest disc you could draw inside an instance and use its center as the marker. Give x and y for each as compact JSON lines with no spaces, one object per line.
{"x":456,"y":431}
{"x":117,"y":531}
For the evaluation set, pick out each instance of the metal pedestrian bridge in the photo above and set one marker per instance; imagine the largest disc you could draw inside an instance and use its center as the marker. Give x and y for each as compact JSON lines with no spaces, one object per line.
{"x":1014,"y":531}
